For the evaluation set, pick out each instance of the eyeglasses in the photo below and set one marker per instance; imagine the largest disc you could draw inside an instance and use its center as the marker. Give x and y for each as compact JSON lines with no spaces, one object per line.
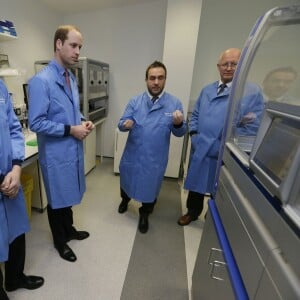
{"x":227,"y":65}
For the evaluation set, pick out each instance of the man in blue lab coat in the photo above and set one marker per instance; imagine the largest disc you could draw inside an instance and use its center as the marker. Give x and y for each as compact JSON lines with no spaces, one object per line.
{"x":206,"y":128}
{"x":206,"y":124}
{"x":150,"y":118}
{"x":13,"y":216}
{"x":54,"y":114}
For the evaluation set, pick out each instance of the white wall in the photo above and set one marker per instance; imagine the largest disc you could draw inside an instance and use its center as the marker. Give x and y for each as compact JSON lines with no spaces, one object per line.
{"x":181,"y":33}
{"x":182,"y":25}
{"x":224,"y":24}
{"x":35,"y":26}
{"x":128,"y":38}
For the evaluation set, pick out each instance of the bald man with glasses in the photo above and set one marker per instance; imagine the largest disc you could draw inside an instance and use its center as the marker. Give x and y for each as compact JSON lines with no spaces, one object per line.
{"x":205,"y":128}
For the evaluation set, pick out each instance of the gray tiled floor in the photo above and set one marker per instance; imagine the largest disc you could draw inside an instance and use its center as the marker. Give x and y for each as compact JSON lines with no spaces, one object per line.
{"x":103,"y":259}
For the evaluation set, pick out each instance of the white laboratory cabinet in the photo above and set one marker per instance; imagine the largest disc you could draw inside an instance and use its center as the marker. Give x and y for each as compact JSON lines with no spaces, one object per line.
{"x":174,"y":153}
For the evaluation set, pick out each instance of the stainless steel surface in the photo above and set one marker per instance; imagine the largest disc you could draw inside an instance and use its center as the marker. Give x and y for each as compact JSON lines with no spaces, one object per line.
{"x":93,"y":85}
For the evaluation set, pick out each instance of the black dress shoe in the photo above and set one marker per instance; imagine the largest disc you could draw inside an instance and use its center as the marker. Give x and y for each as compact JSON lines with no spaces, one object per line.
{"x":123,"y":206}
{"x":143,"y":224}
{"x":79,"y":235}
{"x":3,"y":295}
{"x":26,"y":282}
{"x":66,"y":253}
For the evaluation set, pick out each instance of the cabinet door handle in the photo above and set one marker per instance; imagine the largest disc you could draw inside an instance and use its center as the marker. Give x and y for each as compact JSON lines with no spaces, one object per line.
{"x":232,"y":267}
{"x":212,"y":252}
{"x":216,"y":264}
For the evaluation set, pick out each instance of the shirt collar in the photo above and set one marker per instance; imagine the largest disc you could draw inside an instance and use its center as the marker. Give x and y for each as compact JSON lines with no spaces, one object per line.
{"x":158,"y":97}
{"x":228,"y":83}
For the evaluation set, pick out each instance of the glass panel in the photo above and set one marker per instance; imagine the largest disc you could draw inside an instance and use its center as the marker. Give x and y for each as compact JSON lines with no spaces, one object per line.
{"x":273,"y":75}
{"x":274,"y":157}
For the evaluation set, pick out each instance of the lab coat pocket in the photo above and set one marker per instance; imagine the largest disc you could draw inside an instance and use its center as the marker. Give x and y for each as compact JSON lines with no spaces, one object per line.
{"x":135,"y":135}
{"x":214,"y":149}
{"x":166,"y":119}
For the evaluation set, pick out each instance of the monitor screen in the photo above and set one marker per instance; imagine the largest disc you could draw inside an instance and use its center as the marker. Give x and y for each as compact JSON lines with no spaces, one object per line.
{"x":278,"y":148}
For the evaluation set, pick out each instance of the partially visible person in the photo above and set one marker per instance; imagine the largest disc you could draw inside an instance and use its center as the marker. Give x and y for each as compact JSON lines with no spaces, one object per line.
{"x":150,"y":118}
{"x":205,"y":129}
{"x":277,"y":83}
{"x":54,"y":114}
{"x":250,"y":110}
{"x":13,"y":215}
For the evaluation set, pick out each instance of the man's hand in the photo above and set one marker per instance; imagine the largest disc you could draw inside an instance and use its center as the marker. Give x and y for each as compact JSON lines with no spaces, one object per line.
{"x":80,"y":132}
{"x":248,"y":118}
{"x":128,"y":124}
{"x":88,"y":125}
{"x":11,"y":183}
{"x":177,"y":117}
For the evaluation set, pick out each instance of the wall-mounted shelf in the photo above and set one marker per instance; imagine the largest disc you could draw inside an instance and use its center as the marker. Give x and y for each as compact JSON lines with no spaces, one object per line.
{"x":7,"y":30}
{"x":7,"y":37}
{"x":9,"y":72}
{"x":5,"y":69}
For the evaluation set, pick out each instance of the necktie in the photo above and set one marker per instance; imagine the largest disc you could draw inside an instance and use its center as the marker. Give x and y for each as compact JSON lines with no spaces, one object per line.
{"x":67,"y":79}
{"x":221,"y":88}
{"x":154,"y":98}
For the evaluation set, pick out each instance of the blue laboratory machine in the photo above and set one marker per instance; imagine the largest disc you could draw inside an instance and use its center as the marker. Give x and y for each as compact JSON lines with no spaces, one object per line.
{"x":250,"y":247}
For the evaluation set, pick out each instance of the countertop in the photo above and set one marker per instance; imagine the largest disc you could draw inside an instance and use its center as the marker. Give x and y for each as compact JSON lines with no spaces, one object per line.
{"x":30,"y":151}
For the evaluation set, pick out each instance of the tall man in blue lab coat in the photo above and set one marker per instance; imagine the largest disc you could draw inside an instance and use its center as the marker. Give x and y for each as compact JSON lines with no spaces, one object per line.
{"x":206,"y":123}
{"x":54,"y":114}
{"x":13,"y":216}
{"x":150,"y":118}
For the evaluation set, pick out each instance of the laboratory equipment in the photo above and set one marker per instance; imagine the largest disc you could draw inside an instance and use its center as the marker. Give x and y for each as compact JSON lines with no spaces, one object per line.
{"x":251,"y":239}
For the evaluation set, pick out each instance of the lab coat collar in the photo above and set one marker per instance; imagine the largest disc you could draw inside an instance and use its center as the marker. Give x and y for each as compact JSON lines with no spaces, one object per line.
{"x":60,"y":79}
{"x":158,"y":97}
{"x":60,"y":69}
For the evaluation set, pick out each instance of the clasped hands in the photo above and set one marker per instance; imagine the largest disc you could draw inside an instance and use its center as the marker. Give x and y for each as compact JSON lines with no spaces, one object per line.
{"x":81,"y":131}
{"x":248,"y":118}
{"x":11,"y":183}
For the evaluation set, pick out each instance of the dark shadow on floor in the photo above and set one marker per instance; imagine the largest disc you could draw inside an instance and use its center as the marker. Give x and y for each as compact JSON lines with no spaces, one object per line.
{"x":157,"y":266}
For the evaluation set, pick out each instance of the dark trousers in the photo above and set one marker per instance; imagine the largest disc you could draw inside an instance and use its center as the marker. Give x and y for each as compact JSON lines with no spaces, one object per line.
{"x":2,"y":292}
{"x":145,"y":209}
{"x":61,"y":224}
{"x":14,"y":266}
{"x":194,"y":203}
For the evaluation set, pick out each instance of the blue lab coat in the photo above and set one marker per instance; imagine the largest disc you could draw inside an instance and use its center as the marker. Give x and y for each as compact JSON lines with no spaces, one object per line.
{"x":13,"y":215}
{"x":51,"y":107}
{"x":207,"y":120}
{"x":252,"y":102}
{"x":145,"y":156}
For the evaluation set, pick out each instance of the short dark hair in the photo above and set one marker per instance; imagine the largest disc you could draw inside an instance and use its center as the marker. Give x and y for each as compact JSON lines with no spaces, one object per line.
{"x":61,"y":33}
{"x":156,"y":64}
{"x":281,"y":69}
